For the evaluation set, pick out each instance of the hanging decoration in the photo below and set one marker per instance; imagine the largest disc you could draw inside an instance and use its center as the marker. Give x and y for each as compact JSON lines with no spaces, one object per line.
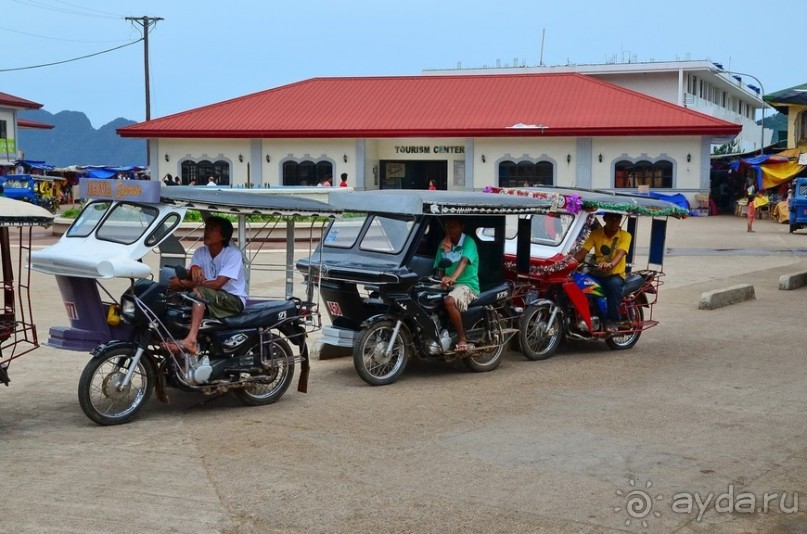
{"x":574,"y":203}
{"x":563,"y":264}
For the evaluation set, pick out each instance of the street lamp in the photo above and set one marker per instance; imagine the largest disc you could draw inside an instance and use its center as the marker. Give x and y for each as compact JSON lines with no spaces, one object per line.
{"x":762,"y":97}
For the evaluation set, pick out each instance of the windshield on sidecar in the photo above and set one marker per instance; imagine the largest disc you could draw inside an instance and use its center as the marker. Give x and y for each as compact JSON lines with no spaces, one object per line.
{"x":124,"y":224}
{"x":546,"y":228}
{"x":379,"y":233}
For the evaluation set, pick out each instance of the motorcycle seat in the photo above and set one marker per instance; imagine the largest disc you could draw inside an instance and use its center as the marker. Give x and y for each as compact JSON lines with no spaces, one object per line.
{"x":262,"y":314}
{"x":632,"y":283}
{"x":490,"y":296}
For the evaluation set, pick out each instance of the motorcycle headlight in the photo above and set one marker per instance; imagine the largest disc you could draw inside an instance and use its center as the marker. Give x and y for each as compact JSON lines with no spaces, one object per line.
{"x":127,"y":309}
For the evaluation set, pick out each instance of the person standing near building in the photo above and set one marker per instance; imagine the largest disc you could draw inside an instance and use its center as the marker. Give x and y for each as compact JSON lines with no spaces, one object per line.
{"x":432,"y":186}
{"x":343,"y":183}
{"x":751,"y":193}
{"x":211,"y":182}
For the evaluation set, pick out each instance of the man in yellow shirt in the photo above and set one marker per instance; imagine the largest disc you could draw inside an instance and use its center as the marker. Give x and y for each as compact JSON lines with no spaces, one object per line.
{"x":611,"y":245}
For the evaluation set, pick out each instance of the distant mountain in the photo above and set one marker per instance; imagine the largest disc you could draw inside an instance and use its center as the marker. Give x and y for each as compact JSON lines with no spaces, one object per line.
{"x":73,"y":141}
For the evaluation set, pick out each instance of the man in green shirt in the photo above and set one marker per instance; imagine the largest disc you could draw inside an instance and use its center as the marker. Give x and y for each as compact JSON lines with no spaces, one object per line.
{"x":462,"y":276}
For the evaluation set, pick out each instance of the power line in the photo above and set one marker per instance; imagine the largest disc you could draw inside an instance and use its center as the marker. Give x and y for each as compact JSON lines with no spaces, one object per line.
{"x":73,"y":59}
{"x":56,"y":38}
{"x":41,"y":5}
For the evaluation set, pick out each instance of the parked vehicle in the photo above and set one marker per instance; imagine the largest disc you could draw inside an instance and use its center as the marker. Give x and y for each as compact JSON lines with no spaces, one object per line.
{"x":18,"y":335}
{"x":567,"y":302}
{"x":374,"y":273}
{"x":248,"y":354}
{"x":43,"y":191}
{"x":252,"y":353}
{"x":798,"y":205}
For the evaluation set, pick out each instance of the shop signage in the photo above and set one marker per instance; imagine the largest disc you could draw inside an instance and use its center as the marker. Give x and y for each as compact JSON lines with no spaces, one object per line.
{"x":430,"y":149}
{"x":134,"y":190}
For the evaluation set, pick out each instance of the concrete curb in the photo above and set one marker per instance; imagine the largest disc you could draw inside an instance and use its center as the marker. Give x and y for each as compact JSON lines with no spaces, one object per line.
{"x":718,"y":298}
{"x":792,"y":281}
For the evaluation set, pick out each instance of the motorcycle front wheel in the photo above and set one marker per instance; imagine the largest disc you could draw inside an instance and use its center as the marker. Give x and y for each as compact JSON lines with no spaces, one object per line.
{"x":281,"y":371}
{"x":539,"y":340}
{"x":99,"y":394}
{"x":489,"y":359}
{"x":635,"y":316}
{"x":375,"y":364}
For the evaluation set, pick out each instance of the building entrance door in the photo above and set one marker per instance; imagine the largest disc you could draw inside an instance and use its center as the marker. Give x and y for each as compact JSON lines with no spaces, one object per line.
{"x":413,"y":174}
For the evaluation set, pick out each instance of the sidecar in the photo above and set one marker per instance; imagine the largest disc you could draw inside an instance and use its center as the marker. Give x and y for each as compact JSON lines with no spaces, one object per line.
{"x":798,"y":205}
{"x":391,"y":237}
{"x":126,"y":219}
{"x":18,"y":334}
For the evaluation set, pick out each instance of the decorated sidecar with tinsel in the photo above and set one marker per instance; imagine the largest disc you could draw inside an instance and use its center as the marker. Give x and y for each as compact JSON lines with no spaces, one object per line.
{"x":569,"y":293}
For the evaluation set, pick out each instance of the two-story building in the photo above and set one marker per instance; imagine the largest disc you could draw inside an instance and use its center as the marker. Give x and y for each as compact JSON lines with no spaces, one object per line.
{"x":10,"y":106}
{"x":700,"y":85}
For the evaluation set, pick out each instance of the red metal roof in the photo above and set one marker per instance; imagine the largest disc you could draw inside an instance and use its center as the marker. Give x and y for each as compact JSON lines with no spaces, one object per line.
{"x":507,"y":105}
{"x":22,"y":123}
{"x":17,"y":102}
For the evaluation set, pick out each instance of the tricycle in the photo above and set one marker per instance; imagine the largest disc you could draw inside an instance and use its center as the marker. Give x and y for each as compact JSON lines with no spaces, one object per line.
{"x":43,"y":191}
{"x":135,"y":340}
{"x":568,"y":300}
{"x":797,"y":207}
{"x":18,"y":334}
{"x":374,"y":271}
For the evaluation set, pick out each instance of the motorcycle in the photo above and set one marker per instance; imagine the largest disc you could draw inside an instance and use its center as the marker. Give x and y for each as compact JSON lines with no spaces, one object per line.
{"x":415,"y":324}
{"x":248,"y":353}
{"x":572,"y":306}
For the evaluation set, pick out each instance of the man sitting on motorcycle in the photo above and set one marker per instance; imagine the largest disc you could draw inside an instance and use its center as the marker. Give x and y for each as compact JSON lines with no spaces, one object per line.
{"x":611,"y":245}
{"x":462,"y":275}
{"x":217,"y":276}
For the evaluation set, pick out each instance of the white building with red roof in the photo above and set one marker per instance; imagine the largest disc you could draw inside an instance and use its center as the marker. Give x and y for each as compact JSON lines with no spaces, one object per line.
{"x":10,"y":106}
{"x":462,"y":131}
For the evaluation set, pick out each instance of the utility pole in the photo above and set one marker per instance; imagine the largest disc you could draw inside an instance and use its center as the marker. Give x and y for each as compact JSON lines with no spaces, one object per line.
{"x":147,"y":23}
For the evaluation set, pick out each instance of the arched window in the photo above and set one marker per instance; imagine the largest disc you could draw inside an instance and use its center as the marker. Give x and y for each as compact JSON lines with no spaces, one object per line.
{"x":199,"y":171}
{"x":519,"y":174}
{"x":306,"y":172}
{"x":630,"y":175}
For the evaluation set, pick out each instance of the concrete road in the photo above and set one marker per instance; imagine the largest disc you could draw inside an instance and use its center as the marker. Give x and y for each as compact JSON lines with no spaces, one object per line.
{"x":698,"y":425}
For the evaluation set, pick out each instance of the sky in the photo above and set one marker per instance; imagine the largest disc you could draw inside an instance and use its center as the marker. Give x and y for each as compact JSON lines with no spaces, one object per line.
{"x":205,"y":51}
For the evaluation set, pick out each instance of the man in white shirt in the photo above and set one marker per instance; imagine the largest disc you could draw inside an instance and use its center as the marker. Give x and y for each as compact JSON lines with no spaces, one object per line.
{"x":211,"y":181}
{"x":216,"y":275}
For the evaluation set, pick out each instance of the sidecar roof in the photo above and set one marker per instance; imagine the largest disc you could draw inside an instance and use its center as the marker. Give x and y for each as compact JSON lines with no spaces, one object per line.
{"x":19,"y":213}
{"x":442,"y":203}
{"x":245,"y":202}
{"x":604,"y":201}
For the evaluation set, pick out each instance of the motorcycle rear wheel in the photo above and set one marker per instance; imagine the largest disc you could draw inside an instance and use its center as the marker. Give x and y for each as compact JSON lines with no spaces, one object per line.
{"x":635,"y":316}
{"x":369,"y":353}
{"x":282,"y":373}
{"x":539,"y":340}
{"x":489,"y":359}
{"x":98,"y":394}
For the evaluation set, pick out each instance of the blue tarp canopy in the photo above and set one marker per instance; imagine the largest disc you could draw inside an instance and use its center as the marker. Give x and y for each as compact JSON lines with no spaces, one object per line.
{"x":105,"y":171}
{"x":41,"y":165}
{"x":678,"y":199}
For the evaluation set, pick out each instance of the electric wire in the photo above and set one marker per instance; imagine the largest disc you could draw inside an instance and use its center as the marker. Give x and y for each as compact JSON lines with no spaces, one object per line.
{"x":41,"y":5}
{"x":72,"y":59}
{"x":58,"y":38}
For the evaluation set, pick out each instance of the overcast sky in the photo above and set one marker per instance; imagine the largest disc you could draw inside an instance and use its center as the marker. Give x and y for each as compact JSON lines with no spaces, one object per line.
{"x":207,"y":51}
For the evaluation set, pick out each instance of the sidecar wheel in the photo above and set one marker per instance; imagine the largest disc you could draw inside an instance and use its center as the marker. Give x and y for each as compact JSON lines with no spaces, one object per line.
{"x":370,"y":357}
{"x":635,"y":316}
{"x":539,"y":340}
{"x":281,"y":360}
{"x":483,"y":361}
{"x":97,"y":392}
